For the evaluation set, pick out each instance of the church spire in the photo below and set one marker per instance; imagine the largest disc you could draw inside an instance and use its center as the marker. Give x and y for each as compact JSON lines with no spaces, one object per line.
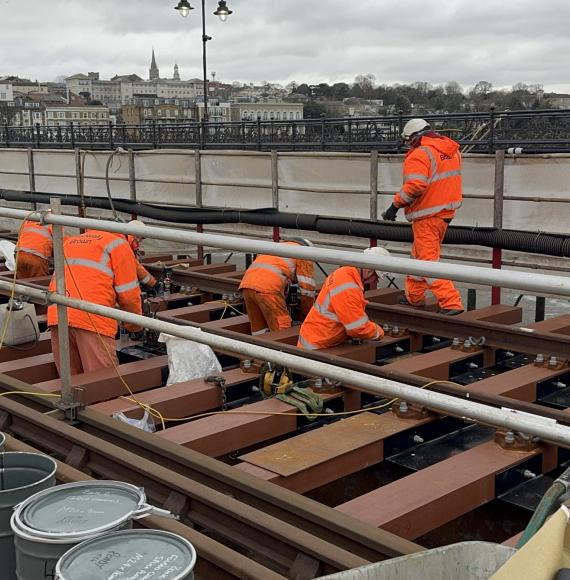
{"x":153,"y":73}
{"x":176,"y":76}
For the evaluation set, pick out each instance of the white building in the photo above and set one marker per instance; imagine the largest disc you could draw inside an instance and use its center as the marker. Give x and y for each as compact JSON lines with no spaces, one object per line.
{"x":277,"y":111}
{"x":6,"y":92}
{"x":218,"y":112}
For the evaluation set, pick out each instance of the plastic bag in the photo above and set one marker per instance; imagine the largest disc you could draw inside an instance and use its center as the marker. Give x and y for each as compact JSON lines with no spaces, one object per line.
{"x":188,"y":360}
{"x":7,"y":250}
{"x":146,"y":423}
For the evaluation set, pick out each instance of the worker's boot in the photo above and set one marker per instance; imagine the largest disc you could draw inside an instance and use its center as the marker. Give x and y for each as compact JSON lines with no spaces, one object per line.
{"x":450,"y":311}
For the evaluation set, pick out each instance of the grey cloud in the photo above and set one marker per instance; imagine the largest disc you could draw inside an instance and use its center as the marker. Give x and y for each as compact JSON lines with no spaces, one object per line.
{"x":304,"y":40}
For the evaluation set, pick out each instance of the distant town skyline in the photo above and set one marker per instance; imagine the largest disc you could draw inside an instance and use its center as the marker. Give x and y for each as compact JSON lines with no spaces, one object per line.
{"x":294,"y":40}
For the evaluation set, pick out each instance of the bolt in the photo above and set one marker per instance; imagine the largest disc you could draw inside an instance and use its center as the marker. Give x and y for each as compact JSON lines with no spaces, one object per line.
{"x":418,"y":439}
{"x":396,"y":330}
{"x":466,"y":343}
{"x":329,"y":411}
{"x":455,"y":342}
{"x":509,"y":354}
{"x":539,"y":359}
{"x":528,"y":474}
{"x":509,"y":437}
{"x":225,"y":297}
{"x":473,"y":365}
{"x":553,"y":362}
{"x":403,"y":407}
{"x":399,"y":349}
{"x":246,"y":364}
{"x":255,"y":389}
{"x":435,"y":339}
{"x":560,"y":385}
{"x":387,"y":328}
{"x":318,"y":384}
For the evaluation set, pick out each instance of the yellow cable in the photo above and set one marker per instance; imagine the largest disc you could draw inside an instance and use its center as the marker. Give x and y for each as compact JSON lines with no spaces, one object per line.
{"x":28,"y":393}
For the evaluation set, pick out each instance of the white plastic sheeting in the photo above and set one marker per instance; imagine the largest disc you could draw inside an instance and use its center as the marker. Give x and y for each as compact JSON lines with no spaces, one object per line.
{"x":188,"y":360}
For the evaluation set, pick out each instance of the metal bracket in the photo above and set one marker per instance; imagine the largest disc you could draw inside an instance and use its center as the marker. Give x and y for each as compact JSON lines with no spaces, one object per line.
{"x":516,"y":441}
{"x":405,"y":410}
{"x":70,"y":409}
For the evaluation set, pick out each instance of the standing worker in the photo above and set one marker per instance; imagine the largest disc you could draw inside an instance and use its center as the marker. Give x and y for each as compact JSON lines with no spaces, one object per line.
{"x":145,"y":278}
{"x":431,"y":193}
{"x":265,"y":286}
{"x":339,"y":312}
{"x":100,"y":267}
{"x":35,"y":248}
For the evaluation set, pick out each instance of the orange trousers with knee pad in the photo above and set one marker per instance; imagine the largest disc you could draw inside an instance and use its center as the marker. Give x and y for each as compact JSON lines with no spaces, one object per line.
{"x":266,"y":311}
{"x":428,"y":236}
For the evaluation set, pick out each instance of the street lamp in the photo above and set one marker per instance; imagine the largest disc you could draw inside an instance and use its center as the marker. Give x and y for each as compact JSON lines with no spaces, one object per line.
{"x":222,"y":11}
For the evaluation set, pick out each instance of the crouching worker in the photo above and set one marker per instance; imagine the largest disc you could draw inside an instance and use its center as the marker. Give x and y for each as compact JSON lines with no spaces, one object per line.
{"x":265,"y":286}
{"x":339,"y":312}
{"x":100,"y":267}
{"x":34,"y":248}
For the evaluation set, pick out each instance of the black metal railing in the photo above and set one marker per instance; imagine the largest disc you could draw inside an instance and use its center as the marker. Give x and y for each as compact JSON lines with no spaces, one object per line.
{"x":534,"y":131}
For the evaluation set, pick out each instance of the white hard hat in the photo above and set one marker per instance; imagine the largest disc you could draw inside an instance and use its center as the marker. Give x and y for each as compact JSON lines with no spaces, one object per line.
{"x":136,"y":223}
{"x":414,"y":126}
{"x":378,"y":251}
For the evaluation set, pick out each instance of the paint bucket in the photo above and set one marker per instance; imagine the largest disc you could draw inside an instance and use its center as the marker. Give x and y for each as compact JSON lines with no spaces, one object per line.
{"x":2,"y":442}
{"x":51,"y":522}
{"x":21,"y":475}
{"x":128,"y":554}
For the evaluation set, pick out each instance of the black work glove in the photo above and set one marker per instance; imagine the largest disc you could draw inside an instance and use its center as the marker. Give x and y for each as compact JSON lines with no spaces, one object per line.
{"x":136,"y":336}
{"x":151,"y":291}
{"x":390,"y":214}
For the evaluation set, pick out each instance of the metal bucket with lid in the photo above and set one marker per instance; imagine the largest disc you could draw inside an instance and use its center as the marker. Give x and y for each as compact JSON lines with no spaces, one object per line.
{"x":129,"y":554}
{"x":51,"y":522}
{"x":21,"y":475}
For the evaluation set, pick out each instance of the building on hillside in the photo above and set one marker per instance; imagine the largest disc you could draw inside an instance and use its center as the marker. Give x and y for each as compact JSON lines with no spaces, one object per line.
{"x":24,"y":85}
{"x":121,"y":89}
{"x":356,"y":107}
{"x":267,"y":111}
{"x":162,"y":111}
{"x":218,"y":111}
{"x":557,"y":100}
{"x":6,"y":92}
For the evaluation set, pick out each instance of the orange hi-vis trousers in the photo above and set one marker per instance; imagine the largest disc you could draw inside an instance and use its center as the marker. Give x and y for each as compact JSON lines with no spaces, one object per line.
{"x":266,"y":311}
{"x":428,"y":236}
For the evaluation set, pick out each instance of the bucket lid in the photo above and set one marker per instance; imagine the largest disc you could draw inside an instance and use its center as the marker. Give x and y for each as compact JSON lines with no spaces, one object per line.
{"x":79,"y":510}
{"x":129,"y":554}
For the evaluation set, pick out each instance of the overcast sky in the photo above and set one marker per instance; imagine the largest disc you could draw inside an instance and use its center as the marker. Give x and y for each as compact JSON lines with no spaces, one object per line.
{"x":399,"y":41}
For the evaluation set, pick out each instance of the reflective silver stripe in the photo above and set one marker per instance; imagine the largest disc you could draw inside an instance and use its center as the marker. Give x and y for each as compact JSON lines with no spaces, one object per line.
{"x":306,"y":344}
{"x":414,"y":176}
{"x":444,"y":175}
{"x":110,"y":247}
{"x":407,"y":199}
{"x":126,"y":287}
{"x":269,"y":267}
{"x":432,"y":160}
{"x":34,"y":252}
{"x":338,"y":290}
{"x":89,"y":264}
{"x":304,"y":292}
{"x":357,"y":323}
{"x":432,"y":210}
{"x":306,"y":280}
{"x":324,"y":312}
{"x":146,"y":279}
{"x":42,"y":231}
{"x":290,"y":262}
{"x":258,"y":332}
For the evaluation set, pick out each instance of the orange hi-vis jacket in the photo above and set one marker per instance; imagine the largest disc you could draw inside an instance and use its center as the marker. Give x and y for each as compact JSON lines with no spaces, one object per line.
{"x":338,"y":313}
{"x":273,"y":275}
{"x":432,"y":180}
{"x":36,"y":239}
{"x":100,"y":267}
{"x":144,"y":276}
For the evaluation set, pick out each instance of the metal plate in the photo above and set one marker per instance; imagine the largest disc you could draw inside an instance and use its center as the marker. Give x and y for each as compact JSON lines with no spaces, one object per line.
{"x":527,"y":495}
{"x":442,"y":448}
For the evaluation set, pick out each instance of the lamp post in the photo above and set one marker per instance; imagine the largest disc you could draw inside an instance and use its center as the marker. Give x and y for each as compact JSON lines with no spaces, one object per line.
{"x":222,"y":12}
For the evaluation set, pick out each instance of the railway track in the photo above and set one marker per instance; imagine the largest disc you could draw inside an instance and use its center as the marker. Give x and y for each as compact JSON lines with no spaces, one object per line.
{"x":387,"y":481}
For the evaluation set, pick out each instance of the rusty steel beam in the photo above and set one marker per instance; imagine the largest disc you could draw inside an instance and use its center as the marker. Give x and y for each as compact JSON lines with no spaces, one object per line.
{"x":215,"y":560}
{"x":435,"y":495}
{"x":204,"y":505}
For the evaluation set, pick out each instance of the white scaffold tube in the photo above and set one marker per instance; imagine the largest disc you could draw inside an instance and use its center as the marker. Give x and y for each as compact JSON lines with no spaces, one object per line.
{"x":544,"y":428}
{"x":528,"y":282}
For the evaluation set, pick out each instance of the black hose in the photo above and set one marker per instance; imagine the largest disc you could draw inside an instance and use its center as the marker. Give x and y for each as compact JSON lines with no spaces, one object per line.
{"x":557,"y":245}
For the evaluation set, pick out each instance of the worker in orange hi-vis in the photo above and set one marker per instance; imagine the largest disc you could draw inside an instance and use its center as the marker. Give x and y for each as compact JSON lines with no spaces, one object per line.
{"x":34,"y":248}
{"x":265,"y":286}
{"x":145,"y":278}
{"x":100,"y":267}
{"x":431,"y":193}
{"x":339,"y":313}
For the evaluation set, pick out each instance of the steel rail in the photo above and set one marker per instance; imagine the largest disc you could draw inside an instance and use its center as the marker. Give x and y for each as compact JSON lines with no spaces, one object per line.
{"x":521,"y":339}
{"x":534,"y":283}
{"x":215,"y":560}
{"x":206,"y":282}
{"x":335,"y":527}
{"x":273,"y":540}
